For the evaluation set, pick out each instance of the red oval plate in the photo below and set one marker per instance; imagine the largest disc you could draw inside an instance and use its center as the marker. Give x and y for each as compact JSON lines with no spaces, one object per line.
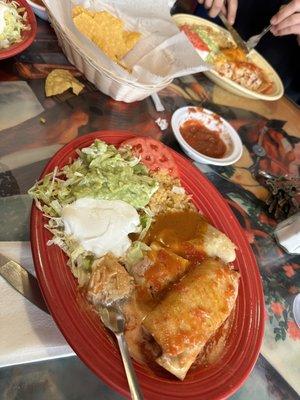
{"x":27,"y":36}
{"x":94,"y":345}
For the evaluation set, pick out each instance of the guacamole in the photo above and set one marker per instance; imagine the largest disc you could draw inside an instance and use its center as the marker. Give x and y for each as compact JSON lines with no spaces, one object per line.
{"x":100,"y":172}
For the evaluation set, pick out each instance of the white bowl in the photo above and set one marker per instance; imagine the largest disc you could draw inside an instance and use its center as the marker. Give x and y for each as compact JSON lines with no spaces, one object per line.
{"x":214,"y":122}
{"x":40,"y":11}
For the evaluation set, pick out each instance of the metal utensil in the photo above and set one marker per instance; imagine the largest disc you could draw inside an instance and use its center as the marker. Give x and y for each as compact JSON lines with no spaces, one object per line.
{"x":235,"y":35}
{"x":114,"y":320}
{"x":21,"y":280}
{"x":253,"y":41}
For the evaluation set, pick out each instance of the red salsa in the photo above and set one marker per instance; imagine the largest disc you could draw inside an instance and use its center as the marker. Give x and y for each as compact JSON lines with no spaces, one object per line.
{"x":202,"y":139}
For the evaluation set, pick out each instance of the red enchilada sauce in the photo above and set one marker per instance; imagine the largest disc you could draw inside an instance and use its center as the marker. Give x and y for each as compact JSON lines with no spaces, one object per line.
{"x":202,"y":139}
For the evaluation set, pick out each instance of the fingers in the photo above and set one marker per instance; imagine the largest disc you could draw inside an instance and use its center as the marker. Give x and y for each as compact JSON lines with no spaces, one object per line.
{"x":286,"y":11}
{"x":291,"y":30}
{"x":232,"y":6}
{"x":215,"y":7}
{"x":287,"y":26}
{"x":289,"y":21}
{"x":208,"y":3}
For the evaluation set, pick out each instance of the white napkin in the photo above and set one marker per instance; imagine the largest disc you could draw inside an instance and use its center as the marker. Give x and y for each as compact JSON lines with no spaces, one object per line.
{"x":18,"y":103}
{"x":287,"y":234}
{"x":27,"y":334}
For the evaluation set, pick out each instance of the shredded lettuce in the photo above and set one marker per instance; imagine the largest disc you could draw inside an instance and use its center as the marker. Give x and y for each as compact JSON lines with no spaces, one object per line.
{"x":146,"y":221}
{"x":203,"y":34}
{"x":135,"y":254}
{"x":80,"y":261}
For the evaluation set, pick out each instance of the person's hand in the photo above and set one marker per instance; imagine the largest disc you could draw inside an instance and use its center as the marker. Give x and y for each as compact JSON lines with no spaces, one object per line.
{"x":228,"y":7}
{"x":287,"y":20}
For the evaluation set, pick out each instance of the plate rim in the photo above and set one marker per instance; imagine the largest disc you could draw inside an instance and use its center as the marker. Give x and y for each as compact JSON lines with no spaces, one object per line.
{"x":211,"y":74}
{"x":79,"y":142}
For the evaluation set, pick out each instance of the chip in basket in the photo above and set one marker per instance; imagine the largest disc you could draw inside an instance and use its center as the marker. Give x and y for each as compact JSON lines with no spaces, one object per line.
{"x":106,"y":31}
{"x":60,"y":80}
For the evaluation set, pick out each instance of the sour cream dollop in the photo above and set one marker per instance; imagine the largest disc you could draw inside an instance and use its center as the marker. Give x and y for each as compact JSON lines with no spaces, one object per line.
{"x":101,"y":226}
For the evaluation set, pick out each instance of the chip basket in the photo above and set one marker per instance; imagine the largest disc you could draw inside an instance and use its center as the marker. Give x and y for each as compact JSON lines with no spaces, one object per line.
{"x":118,"y":88}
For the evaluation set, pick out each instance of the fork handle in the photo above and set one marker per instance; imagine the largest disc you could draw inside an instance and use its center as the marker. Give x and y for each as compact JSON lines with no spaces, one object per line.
{"x":133,"y":384}
{"x":266,"y":30}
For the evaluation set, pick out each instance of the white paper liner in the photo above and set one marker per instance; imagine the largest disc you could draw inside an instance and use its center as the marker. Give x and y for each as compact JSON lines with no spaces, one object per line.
{"x":162,"y":53}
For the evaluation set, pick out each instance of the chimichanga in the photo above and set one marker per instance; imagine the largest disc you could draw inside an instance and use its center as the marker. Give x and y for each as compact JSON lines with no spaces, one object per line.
{"x":162,"y":267}
{"x":191,"y":313}
{"x":212,"y":243}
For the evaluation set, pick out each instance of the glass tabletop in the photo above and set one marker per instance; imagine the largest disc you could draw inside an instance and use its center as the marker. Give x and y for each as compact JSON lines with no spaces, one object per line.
{"x":33,"y":128}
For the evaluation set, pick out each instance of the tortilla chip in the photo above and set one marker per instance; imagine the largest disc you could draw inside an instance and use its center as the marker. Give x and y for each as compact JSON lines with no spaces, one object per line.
{"x":79,"y":10}
{"x":104,"y":18}
{"x":85,"y":24}
{"x":131,"y":38}
{"x":106,"y":31}
{"x":60,"y":80}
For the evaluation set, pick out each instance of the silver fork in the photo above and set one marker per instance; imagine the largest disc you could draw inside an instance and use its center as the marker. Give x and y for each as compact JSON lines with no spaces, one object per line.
{"x":114,"y":320}
{"x":253,"y":41}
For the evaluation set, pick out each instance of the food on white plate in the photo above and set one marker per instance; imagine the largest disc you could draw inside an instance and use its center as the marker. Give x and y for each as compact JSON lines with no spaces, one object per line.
{"x":234,"y":64}
{"x":13,"y":21}
{"x":194,"y":36}
{"x":134,"y":238}
{"x":228,"y":60}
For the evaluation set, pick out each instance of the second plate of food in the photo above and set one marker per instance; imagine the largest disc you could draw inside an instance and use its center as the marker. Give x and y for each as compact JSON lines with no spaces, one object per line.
{"x":250,"y":76}
{"x":162,"y":239}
